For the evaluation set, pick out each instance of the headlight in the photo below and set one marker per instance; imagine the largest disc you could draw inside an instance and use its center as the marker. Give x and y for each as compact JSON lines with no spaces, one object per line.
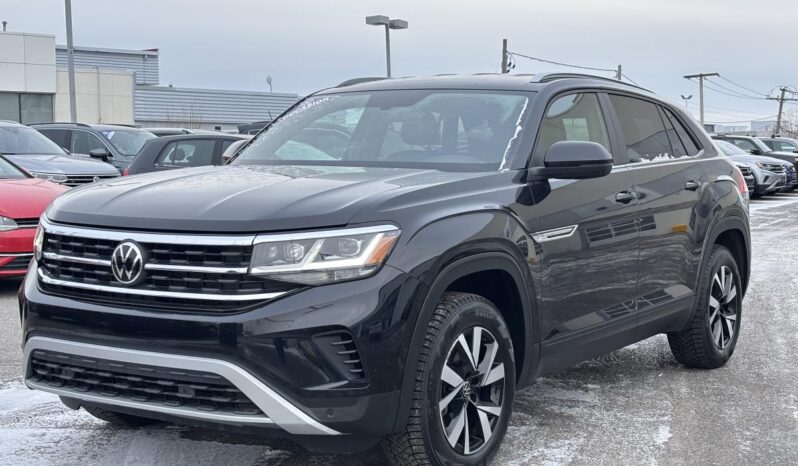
{"x":761,"y":165}
{"x":54,"y":177}
{"x":38,"y":240}
{"x":7,"y":224}
{"x":316,"y":258}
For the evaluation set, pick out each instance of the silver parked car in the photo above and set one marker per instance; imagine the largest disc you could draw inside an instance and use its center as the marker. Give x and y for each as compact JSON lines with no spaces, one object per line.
{"x":42,"y":158}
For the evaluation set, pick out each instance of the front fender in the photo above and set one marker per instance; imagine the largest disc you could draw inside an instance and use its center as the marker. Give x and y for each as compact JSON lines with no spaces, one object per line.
{"x":492,"y":240}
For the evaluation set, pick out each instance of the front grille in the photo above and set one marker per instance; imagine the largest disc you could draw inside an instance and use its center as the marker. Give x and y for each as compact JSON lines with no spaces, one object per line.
{"x":160,"y":253}
{"x":177,"y":277}
{"x":18,"y":263}
{"x":773,"y":167}
{"x":26,"y":222}
{"x":162,"y":386}
{"x":77,"y":180}
{"x":746,"y":171}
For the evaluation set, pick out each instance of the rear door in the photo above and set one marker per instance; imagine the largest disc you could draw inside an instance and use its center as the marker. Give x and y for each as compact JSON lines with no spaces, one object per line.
{"x":588,"y":241}
{"x":669,"y":181}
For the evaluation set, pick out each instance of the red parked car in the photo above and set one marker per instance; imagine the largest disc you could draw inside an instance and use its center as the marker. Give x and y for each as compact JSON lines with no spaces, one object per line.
{"x":22,"y":200}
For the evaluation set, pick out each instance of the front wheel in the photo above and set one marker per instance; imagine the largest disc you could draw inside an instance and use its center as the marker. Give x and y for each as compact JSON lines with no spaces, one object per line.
{"x":464,"y":387}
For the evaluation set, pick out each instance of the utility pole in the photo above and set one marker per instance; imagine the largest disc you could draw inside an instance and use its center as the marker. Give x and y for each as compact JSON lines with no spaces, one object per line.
{"x":505,"y":69}
{"x":701,"y":77}
{"x":73,"y":106}
{"x":781,"y":100}
{"x":619,"y":74}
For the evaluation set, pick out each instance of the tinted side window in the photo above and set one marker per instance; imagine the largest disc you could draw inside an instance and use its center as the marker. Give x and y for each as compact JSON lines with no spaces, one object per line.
{"x":788,"y":146}
{"x":690,"y":146}
{"x":58,"y":136}
{"x":643,"y":130}
{"x":84,"y":142}
{"x":574,"y":117}
{"x":772,"y":144}
{"x":677,"y":147}
{"x":743,"y":144}
{"x":181,"y":154}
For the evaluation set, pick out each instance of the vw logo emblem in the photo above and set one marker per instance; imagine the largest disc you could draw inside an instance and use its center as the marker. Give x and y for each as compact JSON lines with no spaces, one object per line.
{"x":97,"y":178}
{"x":127,"y":263}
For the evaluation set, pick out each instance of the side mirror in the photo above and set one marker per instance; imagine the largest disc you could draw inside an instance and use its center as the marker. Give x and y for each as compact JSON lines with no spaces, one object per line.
{"x":100,"y":153}
{"x":755,"y":152}
{"x":574,"y":160}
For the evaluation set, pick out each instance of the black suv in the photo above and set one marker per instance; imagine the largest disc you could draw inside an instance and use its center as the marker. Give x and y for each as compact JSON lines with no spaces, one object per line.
{"x":472,"y":233}
{"x":115,"y":144}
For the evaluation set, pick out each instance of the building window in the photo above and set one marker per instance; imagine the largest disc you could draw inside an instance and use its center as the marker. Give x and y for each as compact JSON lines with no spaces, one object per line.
{"x":26,"y":108}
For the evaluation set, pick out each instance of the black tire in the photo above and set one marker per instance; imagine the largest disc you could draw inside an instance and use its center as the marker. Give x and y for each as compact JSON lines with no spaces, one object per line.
{"x":118,"y":419}
{"x":424,"y":442}
{"x":697,"y":346}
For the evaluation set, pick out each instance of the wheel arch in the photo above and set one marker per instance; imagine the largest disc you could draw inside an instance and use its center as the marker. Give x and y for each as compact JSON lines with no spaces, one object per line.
{"x":468,"y":274}
{"x":733,"y":233}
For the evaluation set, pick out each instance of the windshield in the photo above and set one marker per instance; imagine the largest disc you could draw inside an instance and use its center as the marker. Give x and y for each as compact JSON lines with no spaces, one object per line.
{"x":128,"y":141}
{"x":21,"y":140}
{"x":469,"y":129}
{"x":8,"y":171}
{"x":730,"y":149}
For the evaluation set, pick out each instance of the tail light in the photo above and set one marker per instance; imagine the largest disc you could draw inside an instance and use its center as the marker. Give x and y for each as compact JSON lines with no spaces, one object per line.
{"x":125,"y":172}
{"x":741,"y":181}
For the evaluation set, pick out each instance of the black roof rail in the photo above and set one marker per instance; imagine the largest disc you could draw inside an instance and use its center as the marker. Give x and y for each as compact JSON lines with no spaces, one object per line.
{"x":549,"y":77}
{"x":60,"y":123}
{"x":353,"y":81}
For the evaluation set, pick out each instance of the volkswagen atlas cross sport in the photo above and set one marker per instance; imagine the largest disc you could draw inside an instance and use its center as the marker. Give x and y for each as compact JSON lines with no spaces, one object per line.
{"x":390,"y":260}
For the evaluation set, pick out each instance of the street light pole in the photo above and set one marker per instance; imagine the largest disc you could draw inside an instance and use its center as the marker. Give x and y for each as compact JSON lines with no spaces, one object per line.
{"x":73,"y":106}
{"x":382,"y":20}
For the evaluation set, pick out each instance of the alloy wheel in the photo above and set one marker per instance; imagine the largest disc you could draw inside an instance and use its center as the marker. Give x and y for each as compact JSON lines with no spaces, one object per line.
{"x":723,"y":307}
{"x":472,"y":390}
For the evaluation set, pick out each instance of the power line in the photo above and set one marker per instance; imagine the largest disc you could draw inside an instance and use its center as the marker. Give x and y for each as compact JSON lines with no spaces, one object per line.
{"x":630,"y":79}
{"x":741,"y":86}
{"x":730,"y":94}
{"x":551,"y":62}
{"x":735,"y":92}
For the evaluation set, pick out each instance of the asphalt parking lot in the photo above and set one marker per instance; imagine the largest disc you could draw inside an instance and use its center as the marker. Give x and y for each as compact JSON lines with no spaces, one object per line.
{"x":633,"y":406}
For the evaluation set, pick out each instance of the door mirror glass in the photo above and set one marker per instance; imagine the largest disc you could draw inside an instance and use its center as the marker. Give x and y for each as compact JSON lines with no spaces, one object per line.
{"x":574,"y":160}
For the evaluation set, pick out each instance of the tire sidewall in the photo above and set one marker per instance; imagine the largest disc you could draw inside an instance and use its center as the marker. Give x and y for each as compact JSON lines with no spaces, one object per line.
{"x":721,"y":257}
{"x":470,"y":314}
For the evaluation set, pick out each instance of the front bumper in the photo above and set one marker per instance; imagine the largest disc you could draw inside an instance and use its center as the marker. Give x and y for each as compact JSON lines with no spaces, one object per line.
{"x":768,"y":182}
{"x":16,"y":251}
{"x":273,"y":354}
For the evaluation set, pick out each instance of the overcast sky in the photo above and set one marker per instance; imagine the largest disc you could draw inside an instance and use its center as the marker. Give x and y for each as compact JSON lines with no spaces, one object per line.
{"x":306,"y":45}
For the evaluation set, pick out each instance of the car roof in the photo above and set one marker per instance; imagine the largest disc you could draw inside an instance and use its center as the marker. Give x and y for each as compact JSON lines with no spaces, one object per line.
{"x":181,"y":137}
{"x":482,"y":81}
{"x":96,"y":127}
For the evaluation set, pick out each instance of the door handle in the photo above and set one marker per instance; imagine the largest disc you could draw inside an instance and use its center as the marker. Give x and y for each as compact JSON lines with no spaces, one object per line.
{"x":692,"y":185}
{"x":625,"y":197}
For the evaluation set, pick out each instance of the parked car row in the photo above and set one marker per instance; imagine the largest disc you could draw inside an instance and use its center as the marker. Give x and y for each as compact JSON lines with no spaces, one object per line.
{"x":767,"y":171}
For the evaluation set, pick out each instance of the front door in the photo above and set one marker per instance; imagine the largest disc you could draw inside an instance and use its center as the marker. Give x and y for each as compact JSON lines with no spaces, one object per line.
{"x":588,"y":242}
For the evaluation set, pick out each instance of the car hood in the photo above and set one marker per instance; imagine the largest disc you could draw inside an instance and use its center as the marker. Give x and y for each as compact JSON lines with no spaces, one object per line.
{"x":753,"y":159}
{"x":240,"y":198}
{"x":63,"y":164}
{"x":26,"y":198}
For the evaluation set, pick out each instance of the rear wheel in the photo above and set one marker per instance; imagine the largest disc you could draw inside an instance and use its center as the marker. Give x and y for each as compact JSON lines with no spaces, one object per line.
{"x":711,"y":336}
{"x":464,"y":387}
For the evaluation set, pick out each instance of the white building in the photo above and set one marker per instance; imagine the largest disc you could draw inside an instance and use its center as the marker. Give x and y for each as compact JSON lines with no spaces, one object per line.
{"x":33,"y":89}
{"x":115,"y":86}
